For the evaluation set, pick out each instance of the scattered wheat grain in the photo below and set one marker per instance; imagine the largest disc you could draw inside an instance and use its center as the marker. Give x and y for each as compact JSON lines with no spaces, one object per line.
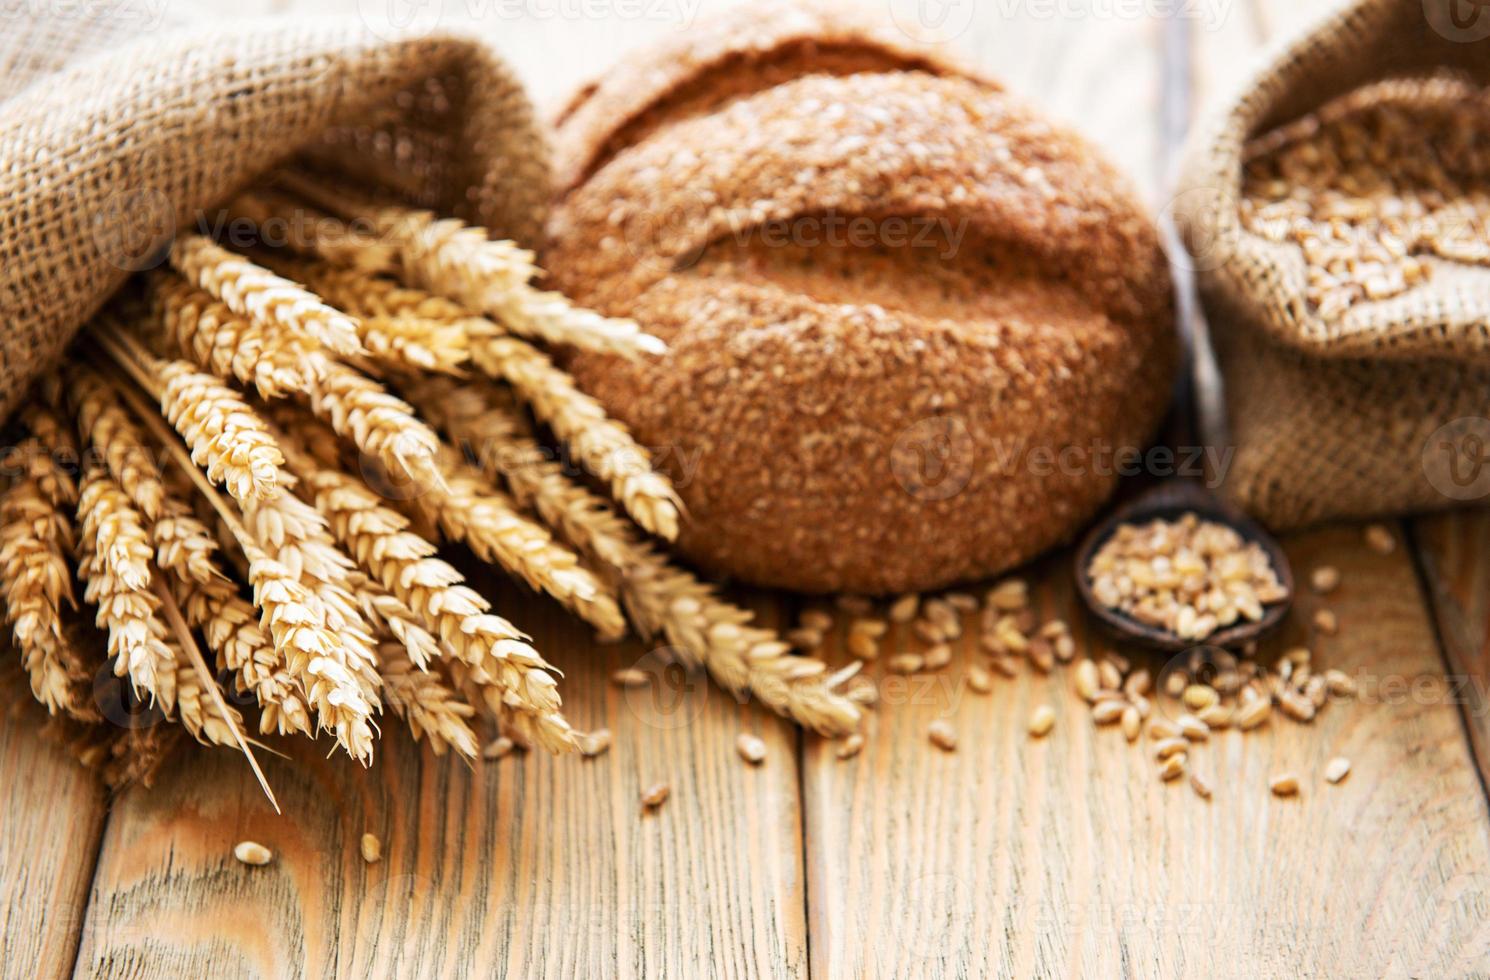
{"x":252,"y":853}
{"x":752,"y":748}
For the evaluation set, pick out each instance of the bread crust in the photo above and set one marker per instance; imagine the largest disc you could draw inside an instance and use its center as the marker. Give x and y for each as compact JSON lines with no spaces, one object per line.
{"x":871,"y":415}
{"x":748,"y":49}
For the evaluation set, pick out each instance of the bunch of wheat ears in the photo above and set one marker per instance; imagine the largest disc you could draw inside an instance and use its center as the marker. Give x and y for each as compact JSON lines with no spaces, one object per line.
{"x":213,"y":465}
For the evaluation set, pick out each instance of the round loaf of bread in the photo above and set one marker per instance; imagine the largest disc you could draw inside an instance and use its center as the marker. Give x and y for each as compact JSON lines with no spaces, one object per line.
{"x":912,"y":324}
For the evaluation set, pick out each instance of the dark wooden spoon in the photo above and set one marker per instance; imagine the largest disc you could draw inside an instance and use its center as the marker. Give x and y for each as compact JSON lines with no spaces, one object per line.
{"x":1168,"y":501}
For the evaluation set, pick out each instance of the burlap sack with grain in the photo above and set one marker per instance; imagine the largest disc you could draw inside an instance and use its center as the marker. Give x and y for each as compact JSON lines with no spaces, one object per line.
{"x":1383,"y":409}
{"x":117,"y":130}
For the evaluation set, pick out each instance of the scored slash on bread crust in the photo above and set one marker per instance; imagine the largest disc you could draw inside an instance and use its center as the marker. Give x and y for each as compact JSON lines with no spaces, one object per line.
{"x":747,"y":49}
{"x":862,"y":415}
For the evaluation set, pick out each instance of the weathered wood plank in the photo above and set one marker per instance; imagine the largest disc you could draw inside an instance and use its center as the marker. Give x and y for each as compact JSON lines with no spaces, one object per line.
{"x":528,"y":867}
{"x":1453,"y":550}
{"x":52,"y":814}
{"x":1069,"y":857}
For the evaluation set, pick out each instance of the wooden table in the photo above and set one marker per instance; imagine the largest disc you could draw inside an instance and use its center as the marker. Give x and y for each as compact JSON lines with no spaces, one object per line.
{"x":1011,"y":857}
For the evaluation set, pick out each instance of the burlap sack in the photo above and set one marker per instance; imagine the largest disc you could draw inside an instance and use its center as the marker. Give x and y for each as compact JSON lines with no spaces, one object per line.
{"x":1383,"y":409}
{"x":115,"y":131}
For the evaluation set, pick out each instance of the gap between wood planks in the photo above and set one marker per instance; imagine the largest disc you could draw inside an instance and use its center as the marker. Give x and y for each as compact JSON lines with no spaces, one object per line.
{"x":1452,"y":624}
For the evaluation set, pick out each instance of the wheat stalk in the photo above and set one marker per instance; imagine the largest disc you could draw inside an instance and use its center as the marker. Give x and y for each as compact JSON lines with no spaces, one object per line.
{"x":429,"y":705}
{"x":451,"y":259}
{"x":327,"y":238}
{"x":380,"y":540}
{"x":479,"y":418}
{"x":203,"y":710}
{"x":333,"y":680}
{"x":35,"y":540}
{"x":209,"y":600}
{"x":251,"y":290}
{"x":114,"y":566}
{"x":275,"y":361}
{"x":662,"y":598}
{"x":600,"y":443}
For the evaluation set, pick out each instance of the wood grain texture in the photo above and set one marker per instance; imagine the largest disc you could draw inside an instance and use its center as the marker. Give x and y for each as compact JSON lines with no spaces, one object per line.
{"x":51,"y":817}
{"x":1068,"y":857}
{"x":1064,"y":857}
{"x":1453,"y":551}
{"x":528,"y":867}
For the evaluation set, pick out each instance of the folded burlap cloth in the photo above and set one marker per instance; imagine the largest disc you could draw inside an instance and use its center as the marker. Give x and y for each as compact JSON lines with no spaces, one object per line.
{"x":1384,"y":407}
{"x":116,"y":132}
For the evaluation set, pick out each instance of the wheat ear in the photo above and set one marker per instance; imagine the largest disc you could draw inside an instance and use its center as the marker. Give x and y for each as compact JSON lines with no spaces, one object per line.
{"x":397,"y":328}
{"x":553,"y":318}
{"x":315,"y":656}
{"x":35,"y":540}
{"x":135,"y":755}
{"x":381,"y":542}
{"x":295,"y":534}
{"x":184,"y":551}
{"x":311,"y":232}
{"x":251,"y":290}
{"x":662,"y":598}
{"x":275,"y":361}
{"x":470,"y":510}
{"x":230,"y":626}
{"x":226,"y":436}
{"x":428,"y":704}
{"x":601,"y":444}
{"x":50,"y":421}
{"x":479,"y":417}
{"x":381,"y":425}
{"x":357,"y":407}
{"x":115,"y":437}
{"x":393,"y":619}
{"x":114,"y":565}
{"x":459,"y":262}
{"x":443,"y":255}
